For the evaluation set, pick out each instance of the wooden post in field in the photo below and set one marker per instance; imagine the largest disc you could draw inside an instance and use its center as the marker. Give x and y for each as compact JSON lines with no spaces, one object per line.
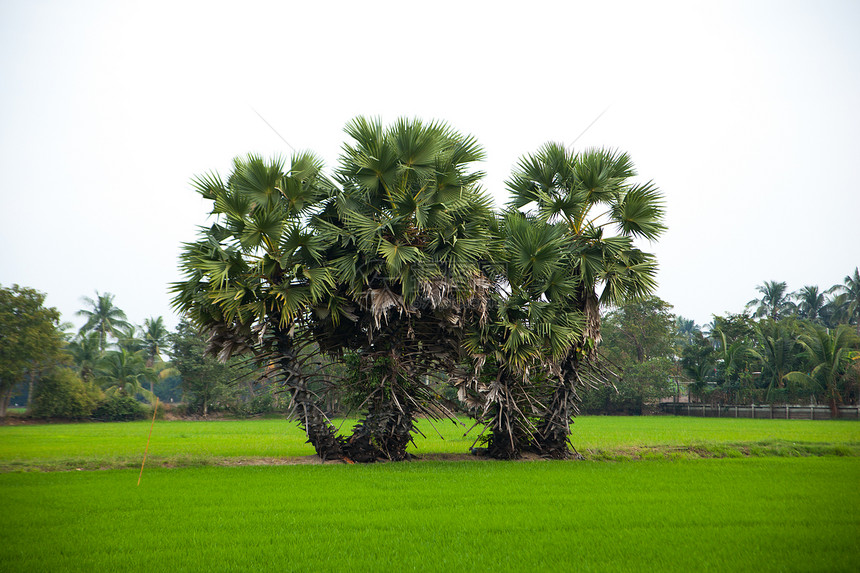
{"x":146,"y":451}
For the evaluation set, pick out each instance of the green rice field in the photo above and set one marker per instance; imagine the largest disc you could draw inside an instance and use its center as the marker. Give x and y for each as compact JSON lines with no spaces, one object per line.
{"x":121,"y":444}
{"x":702,"y":495}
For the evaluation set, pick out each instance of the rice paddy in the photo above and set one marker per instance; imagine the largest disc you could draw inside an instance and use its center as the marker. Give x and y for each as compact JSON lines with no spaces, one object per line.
{"x":758,"y":511}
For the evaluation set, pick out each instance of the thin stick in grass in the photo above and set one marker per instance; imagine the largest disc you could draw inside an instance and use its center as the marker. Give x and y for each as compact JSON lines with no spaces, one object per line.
{"x":146,"y":451}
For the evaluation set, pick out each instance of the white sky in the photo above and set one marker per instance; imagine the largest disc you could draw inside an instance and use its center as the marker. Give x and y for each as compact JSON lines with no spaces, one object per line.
{"x":745,"y":114}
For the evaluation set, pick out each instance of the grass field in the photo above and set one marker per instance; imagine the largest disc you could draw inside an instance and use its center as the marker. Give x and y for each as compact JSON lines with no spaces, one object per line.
{"x":763,"y":514}
{"x":790,"y":503}
{"x":118,"y":445}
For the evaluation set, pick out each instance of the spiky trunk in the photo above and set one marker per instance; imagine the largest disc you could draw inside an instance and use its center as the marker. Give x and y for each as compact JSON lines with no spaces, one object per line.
{"x":506,"y":440}
{"x":552,"y":438}
{"x":590,"y":306}
{"x":322,"y":435}
{"x":386,"y":429}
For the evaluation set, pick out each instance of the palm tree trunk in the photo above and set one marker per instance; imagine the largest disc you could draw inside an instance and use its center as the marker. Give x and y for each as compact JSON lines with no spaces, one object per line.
{"x":321,"y":433}
{"x":386,"y":430}
{"x":506,"y":439}
{"x":553,"y":434}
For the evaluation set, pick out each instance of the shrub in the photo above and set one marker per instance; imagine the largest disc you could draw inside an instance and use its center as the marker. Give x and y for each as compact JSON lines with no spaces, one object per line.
{"x":62,"y":394}
{"x":119,"y":408}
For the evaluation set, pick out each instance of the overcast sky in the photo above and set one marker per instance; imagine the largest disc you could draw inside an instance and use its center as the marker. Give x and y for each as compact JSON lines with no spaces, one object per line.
{"x":745,"y":115}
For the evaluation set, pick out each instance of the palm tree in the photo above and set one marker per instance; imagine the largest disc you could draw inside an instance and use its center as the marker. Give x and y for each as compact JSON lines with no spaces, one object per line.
{"x":253,"y":275}
{"x":525,"y":401}
{"x":406,"y":235}
{"x":155,"y":338}
{"x":849,"y":304}
{"x":685,"y":331}
{"x":102,"y":317}
{"x":588,"y":194}
{"x":828,"y":356}
{"x":382,"y":264}
{"x":810,"y":302}
{"x":774,"y":301}
{"x":86,"y":353}
{"x":123,"y":372}
{"x":127,"y":336}
{"x":776,"y":350}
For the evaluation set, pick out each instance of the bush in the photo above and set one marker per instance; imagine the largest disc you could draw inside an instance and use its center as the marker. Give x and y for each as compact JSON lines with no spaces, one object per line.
{"x":62,"y":394}
{"x":262,"y":403}
{"x":119,"y":408}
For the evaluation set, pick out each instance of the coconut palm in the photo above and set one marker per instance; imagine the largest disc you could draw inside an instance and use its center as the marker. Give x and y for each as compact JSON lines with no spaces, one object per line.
{"x":828,"y":355}
{"x":86,"y":353}
{"x":123,"y":372}
{"x":102,"y":317}
{"x":776,"y":349}
{"x":847,"y":302}
{"x":155,"y":339}
{"x":809,"y":303}
{"x":128,"y":337}
{"x":685,"y":331}
{"x":774,"y":302}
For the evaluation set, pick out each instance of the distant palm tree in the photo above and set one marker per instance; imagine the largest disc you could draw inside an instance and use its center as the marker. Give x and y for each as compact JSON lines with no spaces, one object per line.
{"x":123,"y":372}
{"x":810,"y":302}
{"x":685,"y":331}
{"x":102,"y":317}
{"x":154,"y":339}
{"x":850,"y":304}
{"x":828,"y":355}
{"x":128,"y":337}
{"x":774,"y":302}
{"x":776,"y":349}
{"x":86,"y":354}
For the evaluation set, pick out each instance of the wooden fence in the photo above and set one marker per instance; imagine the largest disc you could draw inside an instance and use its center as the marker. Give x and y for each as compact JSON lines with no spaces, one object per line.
{"x":765,"y":412}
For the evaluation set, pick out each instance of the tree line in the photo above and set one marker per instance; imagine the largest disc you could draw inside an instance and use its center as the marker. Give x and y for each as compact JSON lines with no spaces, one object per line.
{"x":785,"y":348}
{"x":111,"y":369}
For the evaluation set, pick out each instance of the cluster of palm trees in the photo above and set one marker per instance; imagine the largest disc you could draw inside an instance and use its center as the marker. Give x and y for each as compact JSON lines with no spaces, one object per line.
{"x":398,"y":267}
{"x":840,"y":304}
{"x":121,"y":358}
{"x":792,"y":347}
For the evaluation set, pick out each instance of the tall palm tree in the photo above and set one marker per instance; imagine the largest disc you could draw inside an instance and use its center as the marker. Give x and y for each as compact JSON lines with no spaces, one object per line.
{"x":828,"y":355}
{"x":406,"y":236}
{"x":590,"y":194}
{"x":774,"y":302}
{"x":155,"y":339}
{"x":102,"y":317}
{"x":382,"y":263}
{"x":809,"y":302}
